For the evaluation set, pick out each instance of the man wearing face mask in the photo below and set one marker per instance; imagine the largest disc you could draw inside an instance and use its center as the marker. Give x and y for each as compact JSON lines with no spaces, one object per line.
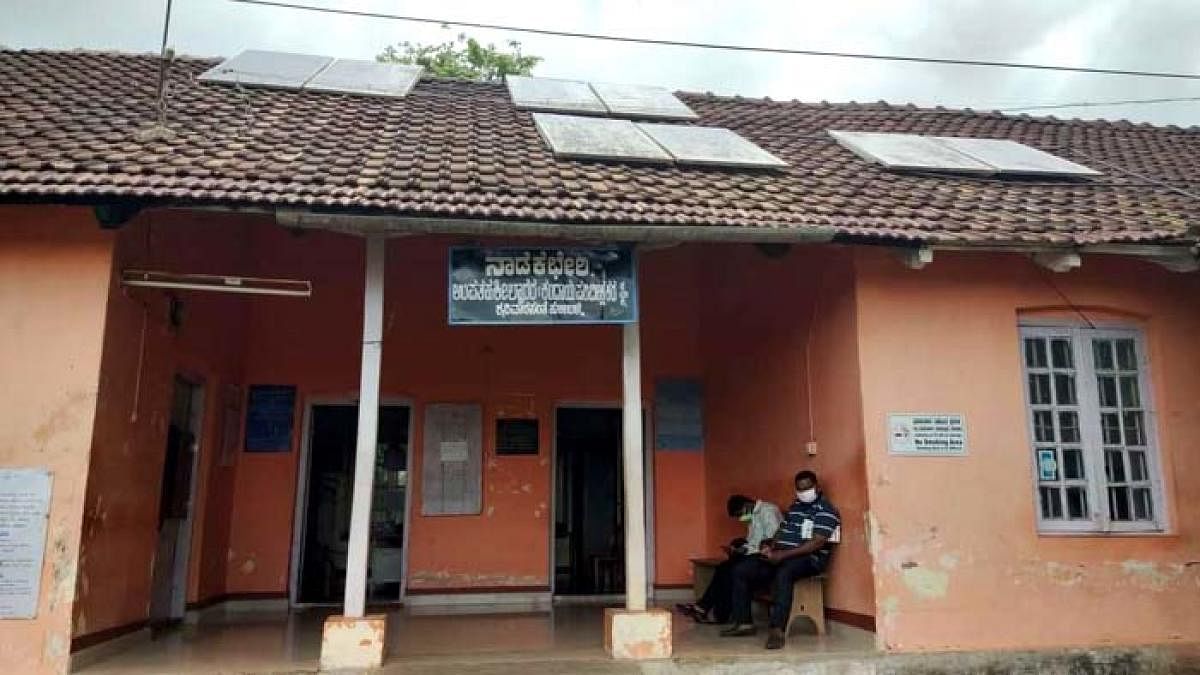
{"x":762,"y":519}
{"x":800,"y":549}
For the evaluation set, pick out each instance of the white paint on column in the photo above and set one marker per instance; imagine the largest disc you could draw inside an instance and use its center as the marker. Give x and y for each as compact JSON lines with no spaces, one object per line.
{"x":635,"y":509}
{"x":368,"y":422}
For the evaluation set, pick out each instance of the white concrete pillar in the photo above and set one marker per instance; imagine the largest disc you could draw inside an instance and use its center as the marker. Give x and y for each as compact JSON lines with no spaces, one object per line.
{"x":368,"y":426}
{"x":634,"y":469}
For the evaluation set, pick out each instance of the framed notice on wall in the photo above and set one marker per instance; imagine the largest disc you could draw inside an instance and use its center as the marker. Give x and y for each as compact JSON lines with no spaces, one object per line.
{"x":270,"y":412}
{"x":24,"y":508}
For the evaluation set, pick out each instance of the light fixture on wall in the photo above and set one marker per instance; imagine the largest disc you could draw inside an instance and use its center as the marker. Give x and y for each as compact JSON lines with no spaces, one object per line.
{"x":217,"y":283}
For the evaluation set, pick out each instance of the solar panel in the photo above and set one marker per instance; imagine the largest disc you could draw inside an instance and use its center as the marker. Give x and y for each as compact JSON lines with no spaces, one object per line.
{"x":259,"y":68}
{"x":710,"y":146}
{"x":637,"y":100}
{"x":597,"y":138}
{"x":908,"y":151}
{"x":543,"y":93}
{"x":1012,"y":157}
{"x":366,"y":78}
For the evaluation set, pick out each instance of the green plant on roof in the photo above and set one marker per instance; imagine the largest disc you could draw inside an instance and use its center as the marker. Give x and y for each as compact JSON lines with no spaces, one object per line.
{"x":465,"y":57}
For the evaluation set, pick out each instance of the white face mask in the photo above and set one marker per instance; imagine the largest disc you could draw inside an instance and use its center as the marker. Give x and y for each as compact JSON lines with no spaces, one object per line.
{"x":807,"y":496}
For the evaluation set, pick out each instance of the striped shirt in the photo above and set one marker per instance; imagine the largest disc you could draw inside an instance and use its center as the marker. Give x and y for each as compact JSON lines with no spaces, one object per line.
{"x":805,"y":520}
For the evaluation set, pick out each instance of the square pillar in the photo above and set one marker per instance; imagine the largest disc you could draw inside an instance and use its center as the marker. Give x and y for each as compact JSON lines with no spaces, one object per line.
{"x":353,"y":640}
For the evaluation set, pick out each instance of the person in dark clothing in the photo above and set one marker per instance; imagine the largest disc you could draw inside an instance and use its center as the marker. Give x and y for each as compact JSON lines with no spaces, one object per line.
{"x":763,"y":519}
{"x":801,"y":548}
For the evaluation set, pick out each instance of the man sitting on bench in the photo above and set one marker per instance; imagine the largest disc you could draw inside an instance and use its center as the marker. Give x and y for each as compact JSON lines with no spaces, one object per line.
{"x":800,"y":549}
{"x":763,"y":520}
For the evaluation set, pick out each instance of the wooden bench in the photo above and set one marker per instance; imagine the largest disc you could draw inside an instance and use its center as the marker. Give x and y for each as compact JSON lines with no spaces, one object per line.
{"x":808,"y":594}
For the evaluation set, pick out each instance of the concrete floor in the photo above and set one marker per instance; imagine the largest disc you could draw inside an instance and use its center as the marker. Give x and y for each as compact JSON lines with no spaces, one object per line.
{"x":565,"y":639}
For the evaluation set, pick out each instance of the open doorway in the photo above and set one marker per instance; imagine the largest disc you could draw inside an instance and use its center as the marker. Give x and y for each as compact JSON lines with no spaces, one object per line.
{"x":168,"y":599}
{"x":324,"y":518}
{"x":589,"y":536}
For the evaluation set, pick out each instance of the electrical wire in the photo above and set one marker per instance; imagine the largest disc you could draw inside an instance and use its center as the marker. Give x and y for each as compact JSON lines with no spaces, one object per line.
{"x":724,"y":46}
{"x":1095,"y":104}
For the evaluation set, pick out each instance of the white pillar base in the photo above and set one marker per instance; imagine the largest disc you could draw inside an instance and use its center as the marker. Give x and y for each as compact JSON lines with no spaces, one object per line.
{"x":349,"y":643}
{"x":637,"y":635}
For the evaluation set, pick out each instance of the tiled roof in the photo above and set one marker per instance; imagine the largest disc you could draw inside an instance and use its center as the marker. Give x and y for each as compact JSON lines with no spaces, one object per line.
{"x":73,"y":126}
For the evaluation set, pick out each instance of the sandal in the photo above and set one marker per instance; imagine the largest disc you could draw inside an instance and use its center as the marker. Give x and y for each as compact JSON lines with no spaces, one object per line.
{"x":690,"y":609}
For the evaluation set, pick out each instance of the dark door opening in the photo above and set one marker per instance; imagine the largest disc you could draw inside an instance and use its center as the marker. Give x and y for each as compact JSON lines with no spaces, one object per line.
{"x":589,"y":536}
{"x":332,"y":439}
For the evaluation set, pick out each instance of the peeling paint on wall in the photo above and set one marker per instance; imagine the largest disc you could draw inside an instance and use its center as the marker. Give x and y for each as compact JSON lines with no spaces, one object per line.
{"x":925,"y":583}
{"x":446,"y":579}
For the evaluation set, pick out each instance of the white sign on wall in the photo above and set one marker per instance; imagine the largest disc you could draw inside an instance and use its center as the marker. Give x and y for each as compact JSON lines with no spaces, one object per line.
{"x":927,"y":434}
{"x":24,"y":508}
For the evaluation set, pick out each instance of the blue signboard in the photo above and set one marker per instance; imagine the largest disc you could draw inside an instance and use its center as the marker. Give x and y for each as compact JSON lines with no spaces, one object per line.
{"x":542,"y":285}
{"x":270,"y":413}
{"x":678,"y":415}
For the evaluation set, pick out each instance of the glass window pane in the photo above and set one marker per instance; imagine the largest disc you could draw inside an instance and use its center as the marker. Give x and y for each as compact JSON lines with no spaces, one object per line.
{"x":1043,"y":426}
{"x":1060,"y":353}
{"x":1130,"y":396}
{"x":1137,"y":466}
{"x":1126,"y":355}
{"x":1073,"y":464}
{"x":1102,"y":352}
{"x":1051,"y":504}
{"x":1035,"y":352}
{"x":1077,"y":503}
{"x":1064,"y":389}
{"x":1134,"y":429}
{"x":1114,"y":466}
{"x":1143,"y":505}
{"x":1110,"y":427}
{"x":1108,"y":391}
{"x":1118,"y":503}
{"x":1039,"y":389}
{"x":1068,"y":426}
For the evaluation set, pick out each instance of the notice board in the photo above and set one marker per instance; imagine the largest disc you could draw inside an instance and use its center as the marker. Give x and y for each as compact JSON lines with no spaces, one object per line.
{"x":24,"y":509}
{"x":270,"y":413}
{"x":452,"y":470}
{"x":678,"y":415}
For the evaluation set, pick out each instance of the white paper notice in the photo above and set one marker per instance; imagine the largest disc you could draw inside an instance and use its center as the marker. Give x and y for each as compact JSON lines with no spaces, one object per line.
{"x":24,"y":505}
{"x":933,"y":434}
{"x":454,"y":451}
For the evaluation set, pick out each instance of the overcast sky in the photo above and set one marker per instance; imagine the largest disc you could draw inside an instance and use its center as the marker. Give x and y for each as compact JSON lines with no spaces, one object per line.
{"x":1125,"y":34}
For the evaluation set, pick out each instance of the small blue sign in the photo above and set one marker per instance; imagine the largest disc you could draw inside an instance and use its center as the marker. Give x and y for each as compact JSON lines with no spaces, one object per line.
{"x":270,"y":414}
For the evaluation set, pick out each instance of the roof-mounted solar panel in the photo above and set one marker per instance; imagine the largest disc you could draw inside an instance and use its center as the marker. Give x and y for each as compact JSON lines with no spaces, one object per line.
{"x":575,"y":137}
{"x":636,"y":100}
{"x":366,"y":78}
{"x":908,"y":151}
{"x":710,"y":146}
{"x":967,"y":155}
{"x":544,"y":93}
{"x":259,"y":68}
{"x":1017,"y":158}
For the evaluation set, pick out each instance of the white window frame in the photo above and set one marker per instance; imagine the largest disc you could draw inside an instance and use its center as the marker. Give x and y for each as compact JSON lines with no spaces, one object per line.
{"x":1091,"y":441}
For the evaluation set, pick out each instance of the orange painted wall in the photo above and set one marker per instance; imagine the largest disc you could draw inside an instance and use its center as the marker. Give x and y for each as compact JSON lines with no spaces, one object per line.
{"x":756,"y":328}
{"x":132,"y":414}
{"x":838,"y":429}
{"x":314,"y":344}
{"x":54,"y":270}
{"x":959,"y":563}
